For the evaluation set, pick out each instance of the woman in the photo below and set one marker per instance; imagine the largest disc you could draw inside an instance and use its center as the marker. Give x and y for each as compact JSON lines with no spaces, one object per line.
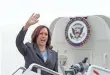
{"x":38,"y":51}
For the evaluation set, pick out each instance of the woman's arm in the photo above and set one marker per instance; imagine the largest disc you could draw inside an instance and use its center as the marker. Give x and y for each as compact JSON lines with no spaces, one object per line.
{"x":19,"y":41}
{"x":20,"y":37}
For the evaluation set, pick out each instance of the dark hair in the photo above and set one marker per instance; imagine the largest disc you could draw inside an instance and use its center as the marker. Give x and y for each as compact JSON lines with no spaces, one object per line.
{"x":36,"y":32}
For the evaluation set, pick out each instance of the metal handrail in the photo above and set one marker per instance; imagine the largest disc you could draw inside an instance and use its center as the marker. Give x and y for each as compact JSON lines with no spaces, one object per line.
{"x":44,"y":68}
{"x":19,"y":69}
{"x":97,"y":67}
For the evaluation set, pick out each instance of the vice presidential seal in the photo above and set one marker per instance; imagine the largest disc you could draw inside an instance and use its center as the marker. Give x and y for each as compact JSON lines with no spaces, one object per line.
{"x":77,"y":31}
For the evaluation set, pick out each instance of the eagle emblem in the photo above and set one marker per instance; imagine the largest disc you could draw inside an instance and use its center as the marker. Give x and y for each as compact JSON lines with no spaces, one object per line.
{"x":77,"y":30}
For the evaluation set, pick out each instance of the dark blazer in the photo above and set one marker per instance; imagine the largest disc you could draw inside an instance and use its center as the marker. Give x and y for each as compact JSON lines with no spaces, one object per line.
{"x":32,"y":54}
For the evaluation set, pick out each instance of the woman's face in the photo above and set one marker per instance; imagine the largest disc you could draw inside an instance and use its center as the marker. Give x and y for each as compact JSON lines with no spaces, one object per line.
{"x":42,"y":37}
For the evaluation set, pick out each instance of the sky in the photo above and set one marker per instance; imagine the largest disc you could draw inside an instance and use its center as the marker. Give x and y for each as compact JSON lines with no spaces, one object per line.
{"x":15,"y":13}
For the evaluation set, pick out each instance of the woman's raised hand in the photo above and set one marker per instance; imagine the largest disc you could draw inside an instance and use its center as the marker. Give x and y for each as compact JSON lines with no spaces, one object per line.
{"x":32,"y":20}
